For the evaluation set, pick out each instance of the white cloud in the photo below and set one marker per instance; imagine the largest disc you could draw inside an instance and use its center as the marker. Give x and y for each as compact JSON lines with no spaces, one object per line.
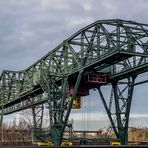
{"x":95,"y":116}
{"x":110,"y":7}
{"x":87,"y":6}
{"x":55,"y":4}
{"x":138,"y":116}
{"x":78,"y":21}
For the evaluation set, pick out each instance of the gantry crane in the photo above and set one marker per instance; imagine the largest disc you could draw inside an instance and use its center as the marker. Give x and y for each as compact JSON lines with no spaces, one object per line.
{"x":106,"y":52}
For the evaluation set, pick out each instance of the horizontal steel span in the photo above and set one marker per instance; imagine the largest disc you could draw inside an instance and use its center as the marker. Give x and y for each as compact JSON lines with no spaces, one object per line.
{"x":116,"y":47}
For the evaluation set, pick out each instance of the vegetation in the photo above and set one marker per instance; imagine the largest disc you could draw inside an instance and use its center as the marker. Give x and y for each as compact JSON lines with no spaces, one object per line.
{"x":15,"y":133}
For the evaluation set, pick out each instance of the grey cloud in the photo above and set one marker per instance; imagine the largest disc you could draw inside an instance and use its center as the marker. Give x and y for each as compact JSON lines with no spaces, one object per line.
{"x":31,"y":28}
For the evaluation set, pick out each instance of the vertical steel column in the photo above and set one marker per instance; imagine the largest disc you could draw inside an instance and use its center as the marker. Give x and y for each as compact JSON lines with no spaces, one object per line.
{"x":1,"y":123}
{"x":118,"y":111}
{"x":57,"y":96}
{"x":108,"y":112}
{"x":129,"y":101}
{"x":123,"y":109}
{"x":2,"y":114}
{"x":37,"y":113}
{"x":70,"y":105}
{"x":98,"y":40}
{"x":122,"y":100}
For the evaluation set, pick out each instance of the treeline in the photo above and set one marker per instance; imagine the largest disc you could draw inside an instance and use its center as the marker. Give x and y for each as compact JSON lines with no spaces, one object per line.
{"x":15,"y":133}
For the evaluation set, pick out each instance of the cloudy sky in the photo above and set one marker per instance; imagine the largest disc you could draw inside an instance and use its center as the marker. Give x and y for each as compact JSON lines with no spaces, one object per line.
{"x":31,"y":28}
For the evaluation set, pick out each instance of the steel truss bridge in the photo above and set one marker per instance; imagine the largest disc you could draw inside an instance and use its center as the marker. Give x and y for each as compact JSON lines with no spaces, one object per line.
{"x":104,"y":53}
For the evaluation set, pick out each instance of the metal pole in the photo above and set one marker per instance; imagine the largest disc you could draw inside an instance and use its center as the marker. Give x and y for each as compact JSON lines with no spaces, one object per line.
{"x":1,"y":124}
{"x":70,"y":105}
{"x":108,"y":111}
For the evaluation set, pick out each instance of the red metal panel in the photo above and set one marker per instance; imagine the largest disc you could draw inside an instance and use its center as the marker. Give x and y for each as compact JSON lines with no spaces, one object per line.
{"x":99,"y":78}
{"x":81,"y":91}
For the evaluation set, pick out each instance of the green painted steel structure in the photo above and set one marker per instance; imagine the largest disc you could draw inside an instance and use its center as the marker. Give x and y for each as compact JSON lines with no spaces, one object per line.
{"x":116,"y":47}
